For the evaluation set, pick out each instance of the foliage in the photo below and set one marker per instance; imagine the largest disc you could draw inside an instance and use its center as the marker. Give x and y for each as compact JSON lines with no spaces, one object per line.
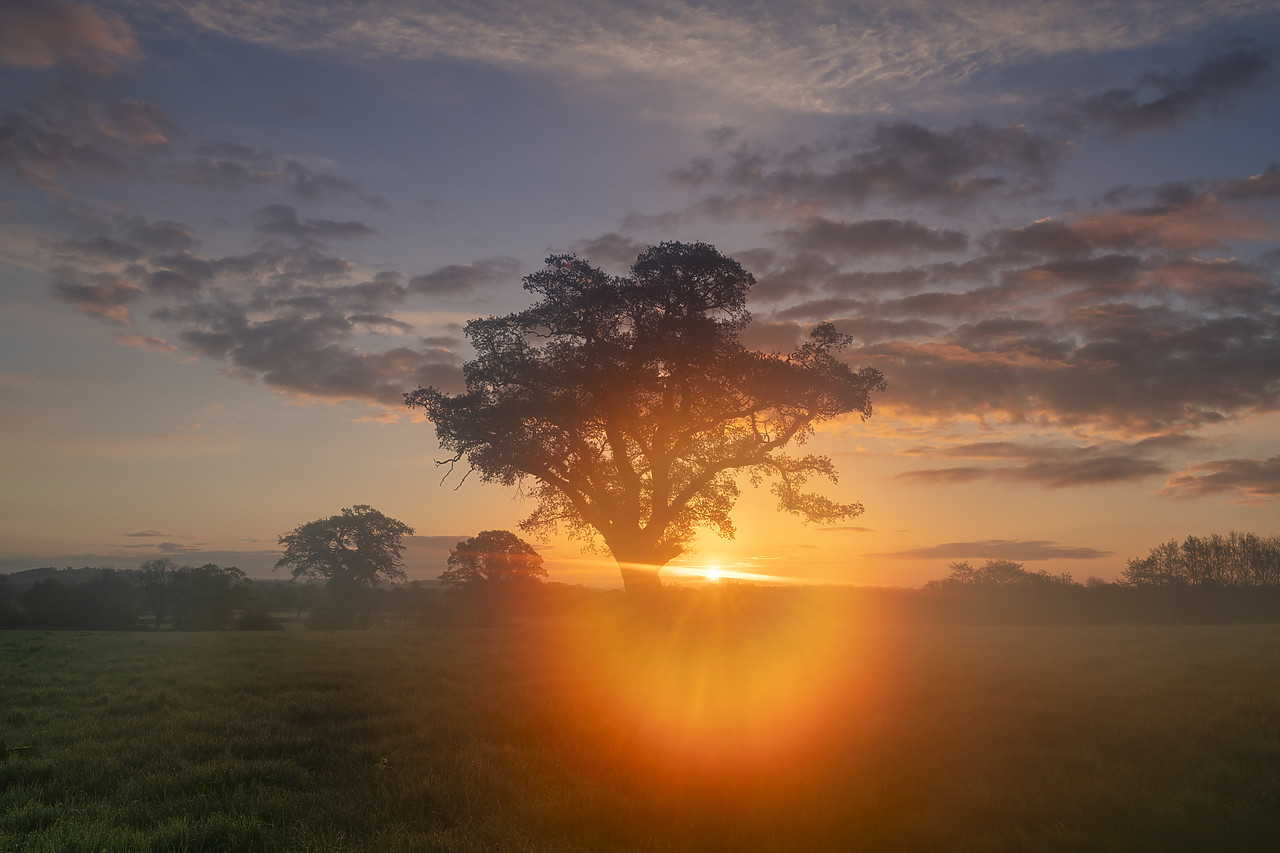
{"x":106,"y":602}
{"x":155,"y":581}
{"x":1236,"y":560}
{"x":996,"y":573}
{"x":205,"y":598}
{"x":354,"y":549}
{"x":491,"y":558}
{"x":627,"y":406}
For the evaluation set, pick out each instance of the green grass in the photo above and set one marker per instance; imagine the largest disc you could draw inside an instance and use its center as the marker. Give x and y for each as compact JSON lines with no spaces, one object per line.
{"x":793,"y":732}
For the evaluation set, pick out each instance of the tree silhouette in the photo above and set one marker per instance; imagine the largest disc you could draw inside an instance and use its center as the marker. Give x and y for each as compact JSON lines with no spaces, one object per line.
{"x":627,"y":406}
{"x":493,"y":557}
{"x":996,"y":573}
{"x":351,"y":551}
{"x":155,"y":580}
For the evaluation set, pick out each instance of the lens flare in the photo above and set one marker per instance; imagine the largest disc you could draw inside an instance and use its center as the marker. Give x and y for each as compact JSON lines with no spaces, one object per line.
{"x":721,"y":682}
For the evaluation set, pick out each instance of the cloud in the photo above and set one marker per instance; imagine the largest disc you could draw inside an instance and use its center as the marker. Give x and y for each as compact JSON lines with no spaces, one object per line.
{"x":1049,"y":464}
{"x":304,"y":357}
{"x":66,"y":132}
{"x":610,"y":250}
{"x":1104,"y":320}
{"x":281,"y":220}
{"x":1259,"y":187}
{"x":792,"y":55}
{"x":102,"y":295}
{"x":44,"y":33}
{"x":147,"y":534}
{"x":459,"y":279}
{"x":1133,"y":370}
{"x":998,"y":549}
{"x":175,"y":548}
{"x":235,"y":166}
{"x":163,"y":236}
{"x":900,"y":161}
{"x":1215,"y":83}
{"x":871,"y":237}
{"x":97,"y":248}
{"x":1248,"y":481}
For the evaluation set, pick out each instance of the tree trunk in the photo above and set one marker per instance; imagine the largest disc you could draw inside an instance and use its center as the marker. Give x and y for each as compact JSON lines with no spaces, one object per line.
{"x":639,"y":561}
{"x":641,"y":581}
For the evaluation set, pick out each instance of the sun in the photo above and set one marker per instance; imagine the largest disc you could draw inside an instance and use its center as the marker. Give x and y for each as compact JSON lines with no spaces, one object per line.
{"x":712,"y":573}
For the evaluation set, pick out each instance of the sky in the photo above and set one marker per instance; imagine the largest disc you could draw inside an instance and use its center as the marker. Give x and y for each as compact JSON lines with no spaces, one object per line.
{"x":234,"y":233}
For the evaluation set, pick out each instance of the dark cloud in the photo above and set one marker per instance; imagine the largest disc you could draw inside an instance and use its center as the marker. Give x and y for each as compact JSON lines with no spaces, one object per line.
{"x":1264,"y":185}
{"x":102,"y":295}
{"x":610,"y":250}
{"x":313,"y":356}
{"x":97,"y":248}
{"x":312,"y":185}
{"x":163,"y":236}
{"x":1131,"y":369}
{"x":459,"y":279}
{"x":1050,"y":465}
{"x":234,"y":166}
{"x":44,"y":33}
{"x":287,"y":313}
{"x":871,"y":237}
{"x":900,"y":161}
{"x":1251,"y":481}
{"x":766,"y":336}
{"x":1105,"y":320}
{"x":147,"y":534}
{"x":1163,"y":100}
{"x":999,"y":549}
{"x":65,"y":132}
{"x":175,"y":548}
{"x":819,"y":310}
{"x":1044,"y":237}
{"x":442,"y":341}
{"x":281,"y":220}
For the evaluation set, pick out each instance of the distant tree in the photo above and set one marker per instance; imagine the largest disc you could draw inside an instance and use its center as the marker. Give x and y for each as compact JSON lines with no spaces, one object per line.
{"x":357,"y":548}
{"x":155,"y":582}
{"x":997,"y":573}
{"x":107,"y":601}
{"x":494,"y":557}
{"x":205,"y":598}
{"x":8,"y":613}
{"x":352,"y":552}
{"x":632,"y":405}
{"x":1234,"y":560}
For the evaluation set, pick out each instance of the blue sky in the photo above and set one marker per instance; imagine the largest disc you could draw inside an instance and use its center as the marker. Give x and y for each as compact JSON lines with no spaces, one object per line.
{"x":233,"y":233}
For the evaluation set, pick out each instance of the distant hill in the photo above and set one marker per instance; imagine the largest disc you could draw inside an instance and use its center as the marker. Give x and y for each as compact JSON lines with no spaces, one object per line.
{"x":29,"y":577}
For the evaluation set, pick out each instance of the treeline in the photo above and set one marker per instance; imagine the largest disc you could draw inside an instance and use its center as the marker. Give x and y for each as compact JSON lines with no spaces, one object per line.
{"x":1237,"y":561}
{"x":164,"y":596}
{"x":159,"y":595}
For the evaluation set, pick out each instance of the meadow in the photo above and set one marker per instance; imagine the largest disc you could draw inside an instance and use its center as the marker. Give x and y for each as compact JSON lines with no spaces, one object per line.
{"x":718,"y":728}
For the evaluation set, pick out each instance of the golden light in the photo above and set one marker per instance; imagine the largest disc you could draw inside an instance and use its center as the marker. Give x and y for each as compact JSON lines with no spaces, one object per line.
{"x":712,"y":573}
{"x":720,"y":683}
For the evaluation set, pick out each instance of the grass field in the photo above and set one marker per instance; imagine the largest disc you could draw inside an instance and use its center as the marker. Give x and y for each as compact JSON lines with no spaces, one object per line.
{"x":715,"y":732}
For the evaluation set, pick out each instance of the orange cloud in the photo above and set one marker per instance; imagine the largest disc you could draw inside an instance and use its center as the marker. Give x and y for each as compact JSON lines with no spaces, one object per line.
{"x":42,"y":34}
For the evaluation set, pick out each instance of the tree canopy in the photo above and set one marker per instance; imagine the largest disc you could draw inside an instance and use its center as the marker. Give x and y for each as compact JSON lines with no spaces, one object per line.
{"x":356,"y":548}
{"x":627,"y":407}
{"x":493,"y":557}
{"x":996,"y":573}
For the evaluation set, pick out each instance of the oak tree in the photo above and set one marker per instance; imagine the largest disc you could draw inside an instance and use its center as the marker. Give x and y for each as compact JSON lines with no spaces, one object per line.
{"x":627,"y":407}
{"x":355,"y":549}
{"x":493,"y":557}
